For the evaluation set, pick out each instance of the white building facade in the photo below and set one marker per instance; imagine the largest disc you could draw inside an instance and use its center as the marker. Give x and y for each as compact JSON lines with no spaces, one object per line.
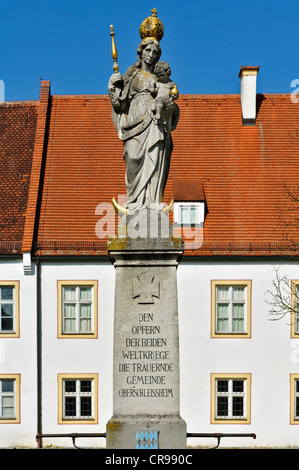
{"x":241,"y":365}
{"x":239,"y":369}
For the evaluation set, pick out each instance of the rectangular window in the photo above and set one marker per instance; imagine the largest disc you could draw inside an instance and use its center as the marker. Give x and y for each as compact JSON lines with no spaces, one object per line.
{"x":78,"y":398}
{"x":231,"y":308}
{"x":77,"y":309}
{"x":230,"y":398}
{"x":188,"y":213}
{"x":9,"y":399}
{"x":9,"y":308}
{"x":294,"y":409}
{"x":296,"y":415}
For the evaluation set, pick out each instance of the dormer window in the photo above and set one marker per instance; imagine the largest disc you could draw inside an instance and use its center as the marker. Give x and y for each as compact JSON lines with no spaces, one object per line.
{"x":189,"y":203}
{"x":189,"y":213}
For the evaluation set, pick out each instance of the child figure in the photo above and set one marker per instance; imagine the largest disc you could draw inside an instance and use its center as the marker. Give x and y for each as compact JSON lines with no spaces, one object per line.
{"x":167,"y":90}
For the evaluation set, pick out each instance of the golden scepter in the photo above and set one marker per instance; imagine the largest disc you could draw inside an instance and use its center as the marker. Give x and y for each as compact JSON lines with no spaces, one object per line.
{"x":114,"y":51}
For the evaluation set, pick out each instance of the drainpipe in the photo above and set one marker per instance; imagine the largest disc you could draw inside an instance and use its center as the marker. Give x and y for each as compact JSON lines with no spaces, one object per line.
{"x":38,"y":353}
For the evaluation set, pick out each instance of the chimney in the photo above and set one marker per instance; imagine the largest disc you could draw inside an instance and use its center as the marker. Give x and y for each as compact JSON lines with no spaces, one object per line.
{"x":248,"y":76}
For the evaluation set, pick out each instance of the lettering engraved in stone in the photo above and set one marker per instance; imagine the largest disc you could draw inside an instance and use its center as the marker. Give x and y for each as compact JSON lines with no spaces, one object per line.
{"x":147,"y":361}
{"x":146,"y":379}
{"x":145,"y":330}
{"x":146,"y":392}
{"x":156,"y":367}
{"x":145,"y":288}
{"x":146,"y":355}
{"x":146,"y":317}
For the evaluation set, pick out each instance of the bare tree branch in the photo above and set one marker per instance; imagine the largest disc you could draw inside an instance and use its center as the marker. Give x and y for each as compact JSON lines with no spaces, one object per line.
{"x":289,"y":216}
{"x":283,"y":298}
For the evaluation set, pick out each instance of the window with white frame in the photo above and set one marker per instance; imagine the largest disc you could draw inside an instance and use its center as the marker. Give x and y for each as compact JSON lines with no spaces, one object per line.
{"x":78,"y":398}
{"x":296,"y":409}
{"x":9,"y":308}
{"x":294,"y":382}
{"x":231,"y":398}
{"x":231,"y":308}
{"x":9,"y":399}
{"x":188,"y":213}
{"x":296,"y":306}
{"x":77,"y":308}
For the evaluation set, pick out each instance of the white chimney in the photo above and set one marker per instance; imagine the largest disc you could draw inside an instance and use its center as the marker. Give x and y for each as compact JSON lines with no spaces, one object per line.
{"x":248,"y":93}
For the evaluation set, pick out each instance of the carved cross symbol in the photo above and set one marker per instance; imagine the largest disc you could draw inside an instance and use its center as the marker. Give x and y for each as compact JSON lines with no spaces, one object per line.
{"x":145,"y":287}
{"x":154,"y":12}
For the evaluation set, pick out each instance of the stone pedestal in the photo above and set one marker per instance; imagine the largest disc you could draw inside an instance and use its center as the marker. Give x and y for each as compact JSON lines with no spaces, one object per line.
{"x":146,"y":388}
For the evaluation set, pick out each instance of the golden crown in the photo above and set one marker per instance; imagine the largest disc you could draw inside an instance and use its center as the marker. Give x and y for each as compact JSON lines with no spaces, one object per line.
{"x":152,"y":27}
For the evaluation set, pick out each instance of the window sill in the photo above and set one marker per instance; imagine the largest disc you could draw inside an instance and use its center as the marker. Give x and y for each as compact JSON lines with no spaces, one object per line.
{"x":231,"y":421}
{"x":77,"y":336}
{"x":231,"y":335}
{"x":78,"y":421}
{"x":9,"y":421}
{"x":9,"y":334}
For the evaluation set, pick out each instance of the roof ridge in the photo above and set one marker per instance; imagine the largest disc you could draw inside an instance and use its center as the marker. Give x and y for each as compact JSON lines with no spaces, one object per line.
{"x":19,"y":102}
{"x":88,"y":95}
{"x":182,"y":95}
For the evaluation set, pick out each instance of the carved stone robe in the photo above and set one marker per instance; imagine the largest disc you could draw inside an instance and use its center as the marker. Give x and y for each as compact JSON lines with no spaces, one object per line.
{"x":147,"y":144}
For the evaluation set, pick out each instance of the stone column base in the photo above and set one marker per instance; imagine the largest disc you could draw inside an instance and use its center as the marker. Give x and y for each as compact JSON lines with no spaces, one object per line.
{"x":165,"y":432}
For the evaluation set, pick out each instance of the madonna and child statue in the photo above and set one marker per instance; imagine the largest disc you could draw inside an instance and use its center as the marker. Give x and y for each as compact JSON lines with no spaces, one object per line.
{"x":144,"y":113}
{"x":146,"y":389}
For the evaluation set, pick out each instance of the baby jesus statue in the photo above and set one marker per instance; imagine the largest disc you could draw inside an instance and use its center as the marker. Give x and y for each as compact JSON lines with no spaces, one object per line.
{"x":167,"y":90}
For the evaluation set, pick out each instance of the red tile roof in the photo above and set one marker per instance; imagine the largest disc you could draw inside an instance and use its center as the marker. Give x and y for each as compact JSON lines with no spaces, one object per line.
{"x":242,"y":170}
{"x":84,"y":168}
{"x":17,"y":134}
{"x":188,"y":190}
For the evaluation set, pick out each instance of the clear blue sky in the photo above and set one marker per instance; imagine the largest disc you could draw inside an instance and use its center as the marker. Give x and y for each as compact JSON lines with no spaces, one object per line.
{"x":205,"y":42}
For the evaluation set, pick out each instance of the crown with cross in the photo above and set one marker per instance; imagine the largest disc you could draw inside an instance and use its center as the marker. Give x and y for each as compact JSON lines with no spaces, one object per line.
{"x":152,"y":27}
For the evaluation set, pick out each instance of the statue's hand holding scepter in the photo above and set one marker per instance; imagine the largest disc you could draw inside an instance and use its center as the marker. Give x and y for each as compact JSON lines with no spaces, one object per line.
{"x":114,"y":50}
{"x":116,"y":77}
